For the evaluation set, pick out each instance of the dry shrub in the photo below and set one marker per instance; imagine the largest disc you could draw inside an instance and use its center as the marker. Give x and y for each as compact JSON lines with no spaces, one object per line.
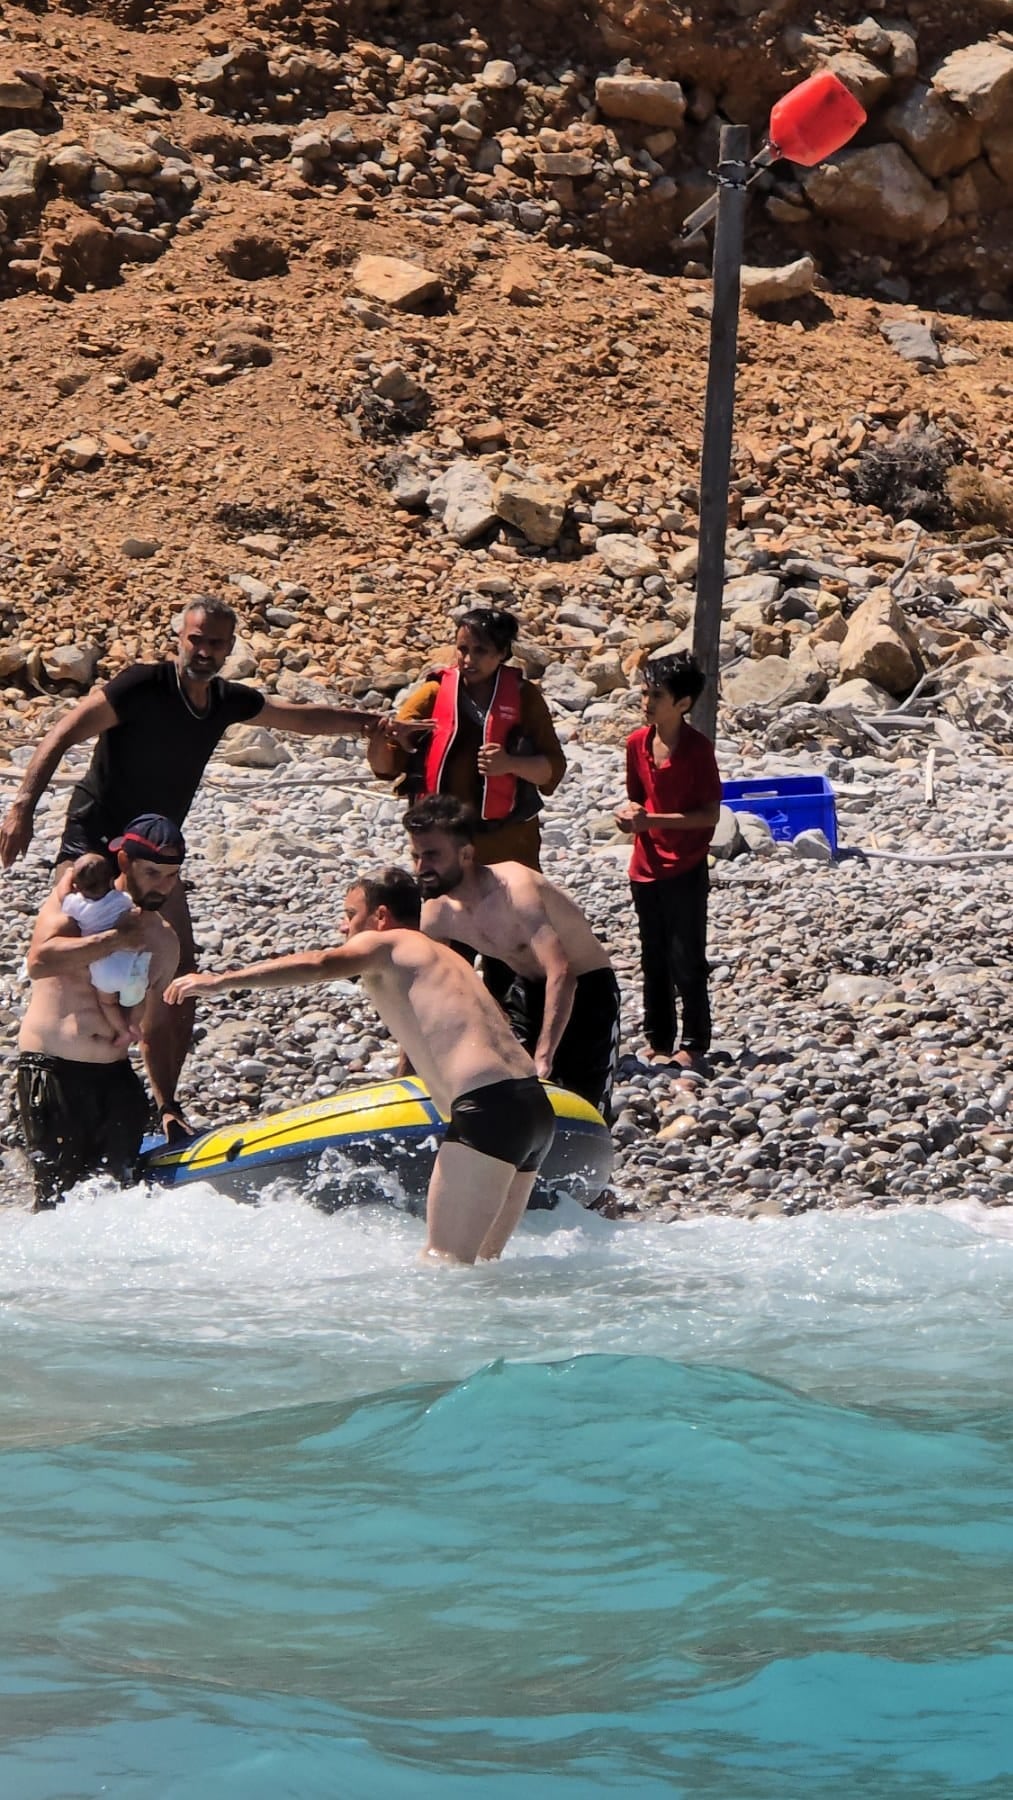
{"x":907,"y":477}
{"x":979,"y":499}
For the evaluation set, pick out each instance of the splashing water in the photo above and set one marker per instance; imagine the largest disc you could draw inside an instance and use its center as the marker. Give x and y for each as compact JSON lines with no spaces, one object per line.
{"x":716,"y":1509}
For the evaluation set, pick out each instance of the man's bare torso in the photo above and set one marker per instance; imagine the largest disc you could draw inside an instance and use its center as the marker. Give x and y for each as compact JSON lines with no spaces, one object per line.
{"x":505,"y":904}
{"x":64,"y":1018}
{"x":453,"y":1034}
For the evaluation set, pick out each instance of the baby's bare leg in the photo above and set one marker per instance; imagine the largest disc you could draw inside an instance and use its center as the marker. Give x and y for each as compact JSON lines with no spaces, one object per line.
{"x":117,"y":1020}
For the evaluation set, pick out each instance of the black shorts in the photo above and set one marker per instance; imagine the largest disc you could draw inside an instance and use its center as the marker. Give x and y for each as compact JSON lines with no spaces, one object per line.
{"x":83,"y":837}
{"x":585,"y":1061}
{"x":511,"y":1121}
{"x":78,"y":1119}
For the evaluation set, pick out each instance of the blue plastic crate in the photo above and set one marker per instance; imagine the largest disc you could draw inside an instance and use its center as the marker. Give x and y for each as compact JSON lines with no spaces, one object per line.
{"x":789,"y":803}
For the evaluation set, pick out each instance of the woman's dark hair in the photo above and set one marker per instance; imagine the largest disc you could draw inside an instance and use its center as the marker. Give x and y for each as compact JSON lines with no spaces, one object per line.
{"x":501,"y":628}
{"x":397,"y":891}
{"x":680,"y":676}
{"x":443,"y":812}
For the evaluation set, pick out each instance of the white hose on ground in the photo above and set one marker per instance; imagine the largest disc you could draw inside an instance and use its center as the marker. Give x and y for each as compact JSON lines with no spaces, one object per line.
{"x":954,"y":857}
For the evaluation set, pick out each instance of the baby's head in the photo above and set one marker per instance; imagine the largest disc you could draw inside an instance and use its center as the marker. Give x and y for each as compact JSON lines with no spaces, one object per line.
{"x":93,"y":876}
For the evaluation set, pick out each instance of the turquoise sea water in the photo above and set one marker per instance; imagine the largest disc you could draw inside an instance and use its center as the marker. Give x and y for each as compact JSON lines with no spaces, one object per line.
{"x":720,"y":1509}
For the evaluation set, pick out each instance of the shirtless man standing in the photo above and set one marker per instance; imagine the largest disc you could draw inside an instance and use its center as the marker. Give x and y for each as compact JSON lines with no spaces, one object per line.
{"x":501,"y":1123}
{"x":83,"y":1109}
{"x":564,"y":1001}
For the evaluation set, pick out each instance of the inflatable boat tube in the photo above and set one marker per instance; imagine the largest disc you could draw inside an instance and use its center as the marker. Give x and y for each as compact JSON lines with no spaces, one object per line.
{"x":368,"y":1144}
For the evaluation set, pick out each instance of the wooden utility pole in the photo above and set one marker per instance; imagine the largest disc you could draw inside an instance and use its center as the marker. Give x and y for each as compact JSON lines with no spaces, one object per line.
{"x":719,"y":415}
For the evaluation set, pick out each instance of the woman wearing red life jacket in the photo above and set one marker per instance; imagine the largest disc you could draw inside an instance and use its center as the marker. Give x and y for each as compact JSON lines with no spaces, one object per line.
{"x":492,"y":743}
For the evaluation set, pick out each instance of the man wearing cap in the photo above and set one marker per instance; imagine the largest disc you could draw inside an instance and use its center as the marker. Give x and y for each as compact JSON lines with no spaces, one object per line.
{"x":83,"y":1109}
{"x":157,"y":725}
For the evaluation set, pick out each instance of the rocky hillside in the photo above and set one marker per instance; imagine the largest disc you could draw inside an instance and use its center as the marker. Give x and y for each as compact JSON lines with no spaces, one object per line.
{"x":348,"y":310}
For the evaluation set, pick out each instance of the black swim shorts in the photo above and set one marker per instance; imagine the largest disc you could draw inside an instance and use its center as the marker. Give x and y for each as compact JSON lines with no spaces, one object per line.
{"x":585,"y":1060}
{"x":78,"y":1119}
{"x":511,"y":1121}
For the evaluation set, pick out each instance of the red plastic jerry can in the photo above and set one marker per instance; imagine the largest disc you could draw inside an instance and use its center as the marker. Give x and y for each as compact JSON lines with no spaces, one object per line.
{"x":815,"y":119}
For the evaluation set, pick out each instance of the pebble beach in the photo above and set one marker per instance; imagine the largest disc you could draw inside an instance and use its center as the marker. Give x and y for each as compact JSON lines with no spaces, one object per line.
{"x":863,"y":1051}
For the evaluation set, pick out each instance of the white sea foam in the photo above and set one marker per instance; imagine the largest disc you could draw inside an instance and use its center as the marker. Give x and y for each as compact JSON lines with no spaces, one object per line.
{"x":152,"y":1305}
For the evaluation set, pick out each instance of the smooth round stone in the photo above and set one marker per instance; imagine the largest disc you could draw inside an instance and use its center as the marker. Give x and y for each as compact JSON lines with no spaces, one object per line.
{"x":249,"y":1069}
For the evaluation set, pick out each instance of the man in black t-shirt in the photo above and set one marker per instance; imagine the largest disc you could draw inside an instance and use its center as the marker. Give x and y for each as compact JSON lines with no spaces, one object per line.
{"x":157,"y":725}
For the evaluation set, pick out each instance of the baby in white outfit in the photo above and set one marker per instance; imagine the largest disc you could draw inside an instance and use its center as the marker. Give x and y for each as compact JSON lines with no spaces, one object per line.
{"x":120,"y":978}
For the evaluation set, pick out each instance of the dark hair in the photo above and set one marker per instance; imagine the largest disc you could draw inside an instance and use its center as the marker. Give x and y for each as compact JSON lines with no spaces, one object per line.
{"x":94,"y":875}
{"x":397,"y":891}
{"x":681,"y":676}
{"x":442,"y":812}
{"x":501,"y":628}
{"x":212,"y":608}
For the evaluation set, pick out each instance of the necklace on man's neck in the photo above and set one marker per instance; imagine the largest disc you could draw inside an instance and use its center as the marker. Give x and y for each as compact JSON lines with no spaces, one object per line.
{"x":196,"y":712}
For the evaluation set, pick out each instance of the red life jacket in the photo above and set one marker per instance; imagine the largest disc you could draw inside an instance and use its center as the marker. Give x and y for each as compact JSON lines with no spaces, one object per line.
{"x":499,"y":792}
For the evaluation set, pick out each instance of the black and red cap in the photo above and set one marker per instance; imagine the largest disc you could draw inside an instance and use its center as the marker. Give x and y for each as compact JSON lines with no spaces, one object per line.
{"x":151,"y":837}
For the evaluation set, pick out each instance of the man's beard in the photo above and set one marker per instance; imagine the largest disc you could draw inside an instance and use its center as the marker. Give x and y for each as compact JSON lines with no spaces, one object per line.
{"x":152,"y":902}
{"x":432,"y":886}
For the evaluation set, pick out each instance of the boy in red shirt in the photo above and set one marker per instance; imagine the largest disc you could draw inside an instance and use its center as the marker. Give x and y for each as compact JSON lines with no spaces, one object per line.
{"x":674,"y":794}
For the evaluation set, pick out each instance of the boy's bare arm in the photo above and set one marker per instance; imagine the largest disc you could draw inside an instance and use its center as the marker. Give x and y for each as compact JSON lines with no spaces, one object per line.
{"x":634,"y":818}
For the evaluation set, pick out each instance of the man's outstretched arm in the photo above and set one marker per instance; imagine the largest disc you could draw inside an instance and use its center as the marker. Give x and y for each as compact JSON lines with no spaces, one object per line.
{"x":85,"y":720}
{"x":308,"y":720}
{"x":300,"y":970}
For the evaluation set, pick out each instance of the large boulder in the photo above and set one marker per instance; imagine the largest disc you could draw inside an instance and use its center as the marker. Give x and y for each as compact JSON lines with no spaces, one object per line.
{"x":769,"y":287}
{"x":253,"y":747}
{"x":535,"y":507}
{"x":881,"y":647}
{"x":999,"y":151}
{"x":978,"y":80}
{"x":913,"y":339}
{"x":13,"y":659}
{"x":762,"y":591}
{"x":879,"y":191}
{"x":129,"y":159}
{"x":463,"y":498}
{"x":979,"y":693}
{"x":562,"y":685}
{"x":19,"y":185}
{"x":639,"y":98}
{"x":773,"y":681}
{"x":857,"y":696}
{"x":728,"y":840}
{"x":401,"y":284}
{"x":71,"y":662}
{"x":18,"y":94}
{"x":939,"y":137}
{"x":867,"y":81}
{"x":86,"y":253}
{"x":627,"y":557}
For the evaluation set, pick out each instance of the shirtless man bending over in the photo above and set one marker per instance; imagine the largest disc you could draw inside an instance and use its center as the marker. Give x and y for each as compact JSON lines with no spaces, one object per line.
{"x":564,"y":1001}
{"x":501,"y":1123}
{"x":83,"y":1109}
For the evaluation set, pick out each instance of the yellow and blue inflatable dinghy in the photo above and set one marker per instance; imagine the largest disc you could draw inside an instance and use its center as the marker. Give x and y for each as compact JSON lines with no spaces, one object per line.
{"x":370,"y":1143}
